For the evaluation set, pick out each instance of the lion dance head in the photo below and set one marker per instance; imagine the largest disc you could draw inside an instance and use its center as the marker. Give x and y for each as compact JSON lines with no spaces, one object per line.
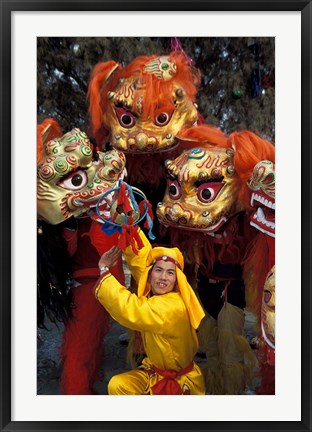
{"x":71,"y":175}
{"x":142,"y":107}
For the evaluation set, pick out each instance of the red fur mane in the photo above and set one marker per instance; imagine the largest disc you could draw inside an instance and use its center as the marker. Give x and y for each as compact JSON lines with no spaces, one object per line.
{"x":105,"y":76}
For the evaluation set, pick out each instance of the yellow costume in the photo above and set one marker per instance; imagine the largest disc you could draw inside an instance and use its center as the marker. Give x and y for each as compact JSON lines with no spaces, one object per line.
{"x":167,"y":324}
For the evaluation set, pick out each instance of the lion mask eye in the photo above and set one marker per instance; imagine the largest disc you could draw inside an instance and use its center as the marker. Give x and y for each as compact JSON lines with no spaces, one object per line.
{"x":74,"y":181}
{"x":174,"y":189}
{"x":207,"y":192}
{"x":125,"y":118}
{"x":162,"y":119}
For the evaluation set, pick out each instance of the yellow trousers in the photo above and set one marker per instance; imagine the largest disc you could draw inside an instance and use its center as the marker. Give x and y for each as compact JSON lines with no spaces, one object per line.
{"x":140,"y":381}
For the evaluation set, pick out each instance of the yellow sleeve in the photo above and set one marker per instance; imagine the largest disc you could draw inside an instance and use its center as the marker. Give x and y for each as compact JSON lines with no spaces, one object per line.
{"x":139,"y":314}
{"x":137,"y":263}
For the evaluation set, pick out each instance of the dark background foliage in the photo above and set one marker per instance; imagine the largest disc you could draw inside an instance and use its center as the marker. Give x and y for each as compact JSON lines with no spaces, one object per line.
{"x":238,"y":77}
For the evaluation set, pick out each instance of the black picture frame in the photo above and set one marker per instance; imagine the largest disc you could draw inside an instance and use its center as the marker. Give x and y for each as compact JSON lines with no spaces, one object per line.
{"x":7,"y":7}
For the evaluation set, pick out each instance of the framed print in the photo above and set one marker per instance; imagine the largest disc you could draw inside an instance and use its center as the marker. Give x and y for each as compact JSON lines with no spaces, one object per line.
{"x":26,"y":26}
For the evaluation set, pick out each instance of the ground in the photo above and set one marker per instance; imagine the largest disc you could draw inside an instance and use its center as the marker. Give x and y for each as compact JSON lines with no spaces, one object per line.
{"x":49,"y":368}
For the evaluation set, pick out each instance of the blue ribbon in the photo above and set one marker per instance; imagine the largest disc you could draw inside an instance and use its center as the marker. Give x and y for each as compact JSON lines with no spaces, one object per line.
{"x":110,"y":229}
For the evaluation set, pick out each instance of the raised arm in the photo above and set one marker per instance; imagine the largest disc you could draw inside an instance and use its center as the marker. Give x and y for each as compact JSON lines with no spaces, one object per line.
{"x":126,"y":308}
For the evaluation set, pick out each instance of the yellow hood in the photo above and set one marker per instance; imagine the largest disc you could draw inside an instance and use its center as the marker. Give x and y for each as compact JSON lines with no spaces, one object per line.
{"x":194,"y":308}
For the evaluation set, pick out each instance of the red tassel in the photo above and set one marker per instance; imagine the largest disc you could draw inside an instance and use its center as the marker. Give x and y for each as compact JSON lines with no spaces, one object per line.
{"x":130,"y":236}
{"x":121,"y":194}
{"x":142,"y":209}
{"x":124,"y":199}
{"x":141,"y":206}
{"x":130,"y":239}
{"x":150,"y":210}
{"x":122,"y":241}
{"x":135,"y":236}
{"x":129,"y":233}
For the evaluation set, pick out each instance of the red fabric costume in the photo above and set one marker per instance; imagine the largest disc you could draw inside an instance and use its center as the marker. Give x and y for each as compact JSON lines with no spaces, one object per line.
{"x":82,"y":347}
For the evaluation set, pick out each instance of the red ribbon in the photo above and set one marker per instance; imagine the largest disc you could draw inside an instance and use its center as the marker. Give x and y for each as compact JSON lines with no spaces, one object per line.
{"x":124,"y":199}
{"x":130,"y":236}
{"x":124,"y":204}
{"x":129,"y":233}
{"x":142,"y":209}
{"x":168,"y":384}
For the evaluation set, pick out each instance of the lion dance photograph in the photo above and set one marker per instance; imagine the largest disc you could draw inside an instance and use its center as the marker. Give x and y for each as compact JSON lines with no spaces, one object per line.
{"x":155,"y":216}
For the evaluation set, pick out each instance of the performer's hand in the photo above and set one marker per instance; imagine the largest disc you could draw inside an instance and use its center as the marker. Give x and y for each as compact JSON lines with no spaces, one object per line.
{"x":110,"y":258}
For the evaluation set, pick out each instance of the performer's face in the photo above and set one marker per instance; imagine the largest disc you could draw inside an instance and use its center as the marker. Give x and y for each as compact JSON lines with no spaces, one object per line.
{"x":163,"y":277}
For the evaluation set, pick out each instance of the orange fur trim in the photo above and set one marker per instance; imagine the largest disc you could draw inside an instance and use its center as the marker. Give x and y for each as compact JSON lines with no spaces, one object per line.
{"x":48,"y":130}
{"x":101,"y":76}
{"x":249,"y":150}
{"x":202,"y":136}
